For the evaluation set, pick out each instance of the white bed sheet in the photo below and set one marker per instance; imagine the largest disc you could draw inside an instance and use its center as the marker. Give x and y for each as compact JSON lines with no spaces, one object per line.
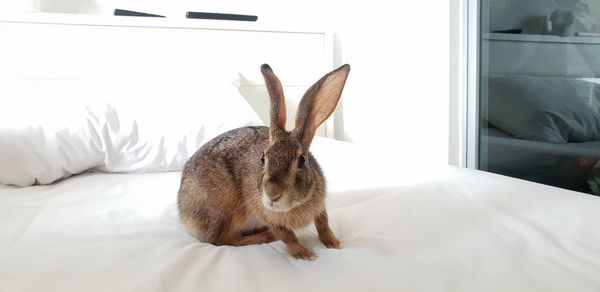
{"x":404,"y":226}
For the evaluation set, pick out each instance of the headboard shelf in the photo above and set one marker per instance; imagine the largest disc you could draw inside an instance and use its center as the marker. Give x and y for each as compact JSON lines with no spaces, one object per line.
{"x":155,"y":22}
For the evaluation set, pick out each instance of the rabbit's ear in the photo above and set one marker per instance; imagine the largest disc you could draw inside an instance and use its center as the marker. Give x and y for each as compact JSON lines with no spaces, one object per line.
{"x":318,"y":103}
{"x":278,"y":113}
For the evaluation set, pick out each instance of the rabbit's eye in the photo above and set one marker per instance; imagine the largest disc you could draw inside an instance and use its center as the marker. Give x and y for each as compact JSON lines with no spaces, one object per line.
{"x":301,"y":161}
{"x":262,"y":159}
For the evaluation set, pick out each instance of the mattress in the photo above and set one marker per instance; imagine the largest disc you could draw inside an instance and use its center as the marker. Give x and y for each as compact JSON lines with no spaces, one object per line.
{"x":405,"y":226}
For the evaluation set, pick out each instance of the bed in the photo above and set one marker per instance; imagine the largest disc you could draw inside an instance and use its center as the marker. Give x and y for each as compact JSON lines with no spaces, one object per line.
{"x":408,"y":228}
{"x":107,"y":220}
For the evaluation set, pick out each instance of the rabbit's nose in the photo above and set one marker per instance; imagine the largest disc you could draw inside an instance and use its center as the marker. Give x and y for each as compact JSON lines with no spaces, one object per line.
{"x":275,"y":198}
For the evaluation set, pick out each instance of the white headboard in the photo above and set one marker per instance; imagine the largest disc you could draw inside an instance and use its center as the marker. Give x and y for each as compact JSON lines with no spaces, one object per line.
{"x":61,"y":46}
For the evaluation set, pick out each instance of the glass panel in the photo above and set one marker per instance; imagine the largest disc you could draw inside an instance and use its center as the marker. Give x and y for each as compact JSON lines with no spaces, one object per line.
{"x":540,"y":91}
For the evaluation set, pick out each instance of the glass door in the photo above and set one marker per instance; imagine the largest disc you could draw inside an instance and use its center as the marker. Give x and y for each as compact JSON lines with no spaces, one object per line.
{"x":539,"y":91}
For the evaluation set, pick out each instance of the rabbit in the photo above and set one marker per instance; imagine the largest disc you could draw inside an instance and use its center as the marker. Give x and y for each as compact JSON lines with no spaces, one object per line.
{"x":255,"y":185}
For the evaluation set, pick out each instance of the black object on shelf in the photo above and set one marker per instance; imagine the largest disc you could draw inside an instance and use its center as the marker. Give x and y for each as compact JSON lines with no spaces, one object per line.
{"x":514,"y":31}
{"x":220,"y":16}
{"x":122,"y":12}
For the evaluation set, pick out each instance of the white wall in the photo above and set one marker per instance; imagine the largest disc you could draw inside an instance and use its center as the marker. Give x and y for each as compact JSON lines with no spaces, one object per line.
{"x":400,"y":92}
{"x":397,"y":97}
{"x":458,"y":83}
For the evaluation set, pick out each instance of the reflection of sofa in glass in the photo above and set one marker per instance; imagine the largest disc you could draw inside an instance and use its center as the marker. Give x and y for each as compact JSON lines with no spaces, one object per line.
{"x":544,"y":129}
{"x":567,"y":165}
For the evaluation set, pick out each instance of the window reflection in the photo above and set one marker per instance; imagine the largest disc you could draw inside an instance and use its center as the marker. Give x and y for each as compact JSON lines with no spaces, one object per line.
{"x":540,"y":91}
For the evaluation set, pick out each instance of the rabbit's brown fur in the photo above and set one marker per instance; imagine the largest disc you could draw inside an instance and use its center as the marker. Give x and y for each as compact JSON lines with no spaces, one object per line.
{"x":254,"y":185}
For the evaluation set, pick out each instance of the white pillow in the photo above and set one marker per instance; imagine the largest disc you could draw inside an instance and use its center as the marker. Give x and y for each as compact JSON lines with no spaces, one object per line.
{"x":51,"y":129}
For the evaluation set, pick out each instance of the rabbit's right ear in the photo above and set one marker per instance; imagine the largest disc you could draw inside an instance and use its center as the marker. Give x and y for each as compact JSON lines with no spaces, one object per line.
{"x":318,"y":103}
{"x":278,"y":113}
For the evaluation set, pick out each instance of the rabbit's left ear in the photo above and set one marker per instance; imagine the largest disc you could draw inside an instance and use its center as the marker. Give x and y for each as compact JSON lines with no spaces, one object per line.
{"x":318,"y":103}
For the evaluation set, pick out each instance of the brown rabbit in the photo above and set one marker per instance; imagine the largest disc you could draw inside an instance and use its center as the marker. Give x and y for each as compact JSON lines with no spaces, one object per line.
{"x":255,"y":185}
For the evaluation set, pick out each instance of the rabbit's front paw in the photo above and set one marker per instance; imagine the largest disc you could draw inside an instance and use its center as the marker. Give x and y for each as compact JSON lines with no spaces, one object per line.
{"x":303,"y":253}
{"x":330,"y":241}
